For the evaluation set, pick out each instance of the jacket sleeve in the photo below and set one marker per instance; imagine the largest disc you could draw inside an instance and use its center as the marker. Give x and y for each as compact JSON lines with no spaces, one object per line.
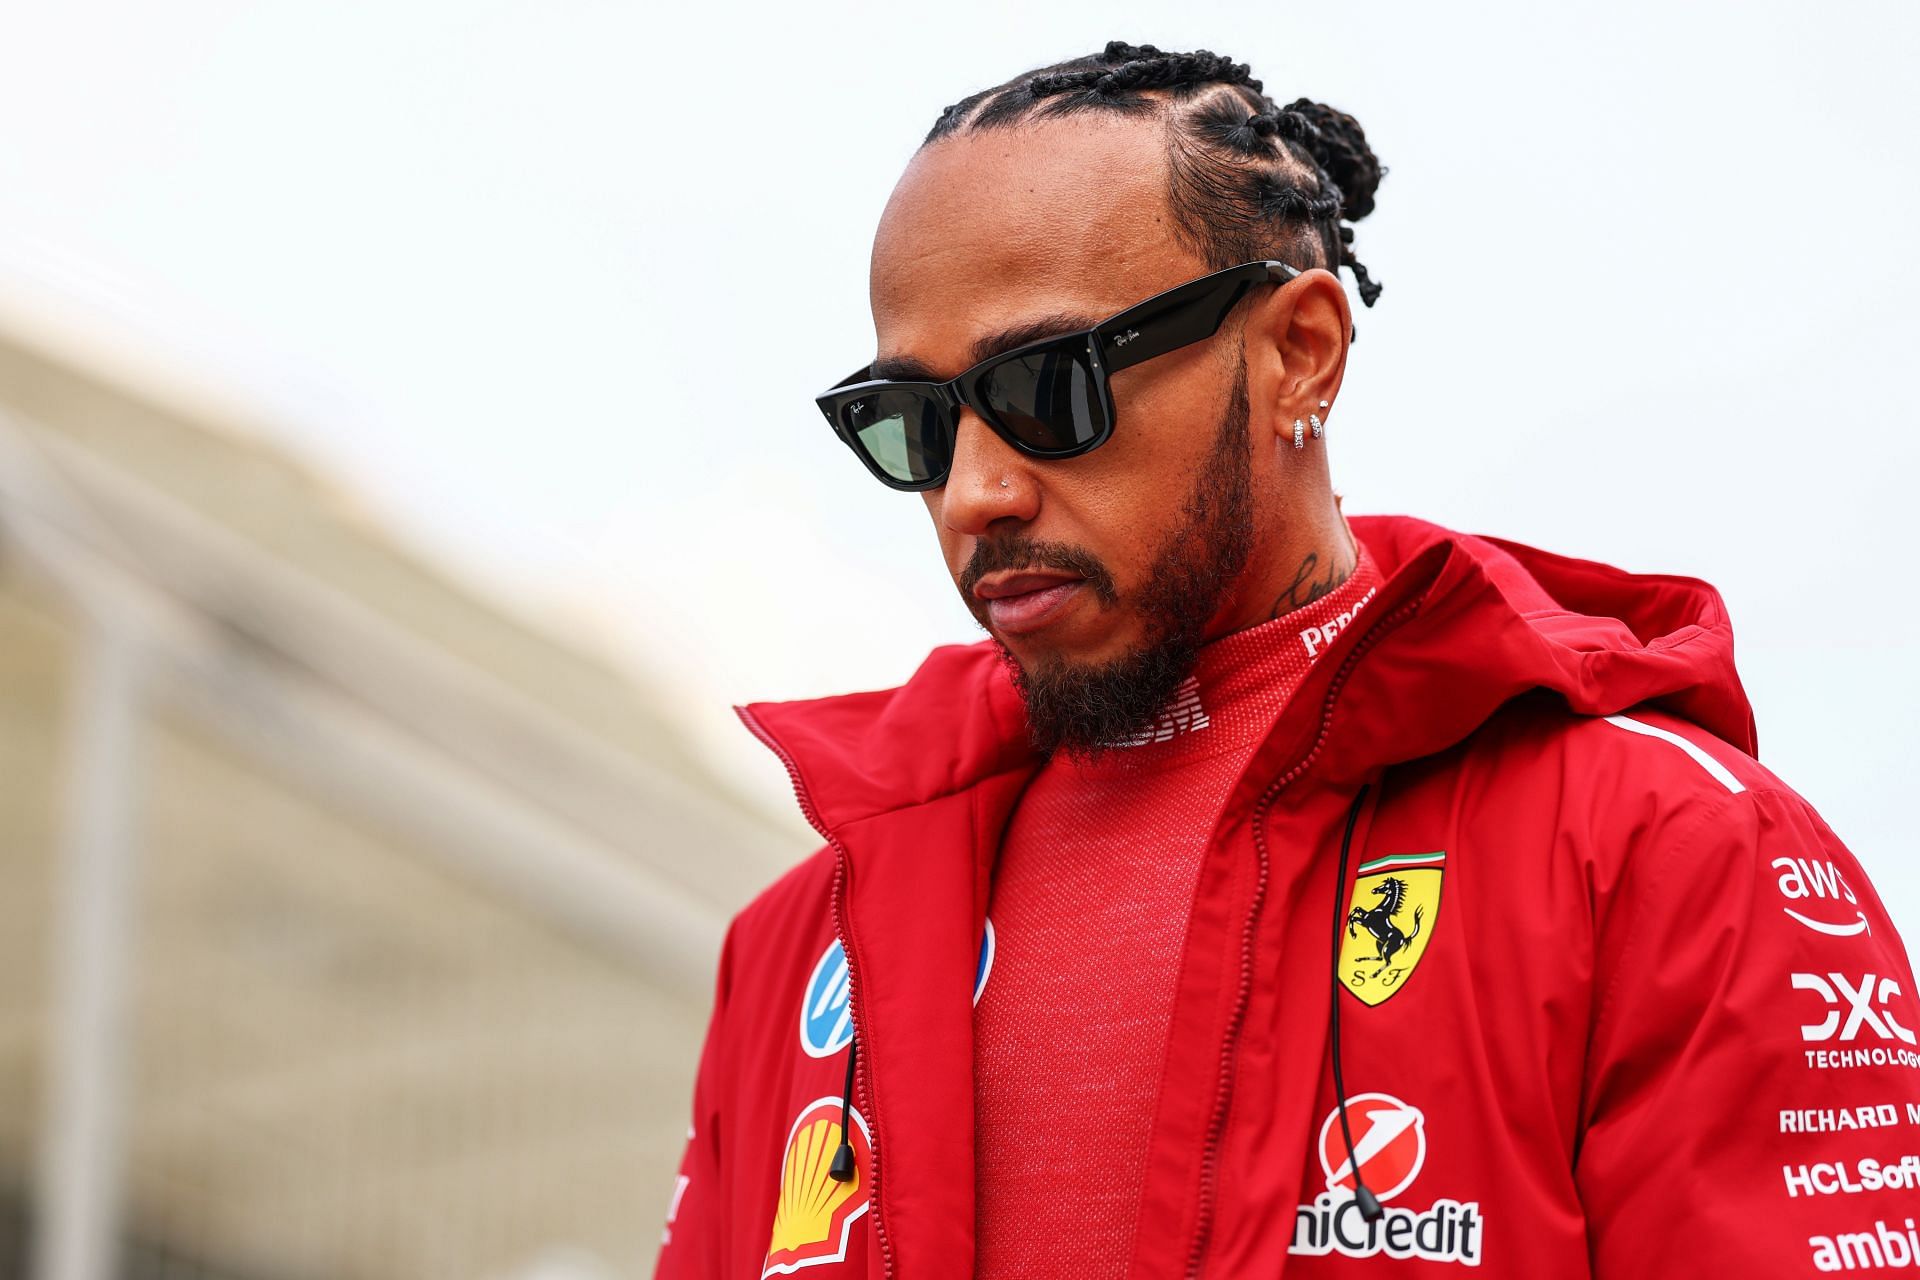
{"x":693,"y":1242}
{"x":1752,"y":1104}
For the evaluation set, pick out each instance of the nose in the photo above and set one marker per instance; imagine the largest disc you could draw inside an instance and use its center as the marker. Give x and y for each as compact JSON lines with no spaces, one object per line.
{"x":990,"y":481}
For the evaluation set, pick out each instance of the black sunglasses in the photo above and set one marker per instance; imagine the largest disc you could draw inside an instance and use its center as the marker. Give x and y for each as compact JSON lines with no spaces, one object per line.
{"x":1048,"y":399}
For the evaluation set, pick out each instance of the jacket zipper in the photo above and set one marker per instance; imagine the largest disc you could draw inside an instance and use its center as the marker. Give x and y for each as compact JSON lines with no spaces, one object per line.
{"x":1223,"y":1096}
{"x":860,"y":1067}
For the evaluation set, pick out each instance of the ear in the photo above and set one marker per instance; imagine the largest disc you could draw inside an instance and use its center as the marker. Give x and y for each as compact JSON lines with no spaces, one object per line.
{"x":1296,"y":342}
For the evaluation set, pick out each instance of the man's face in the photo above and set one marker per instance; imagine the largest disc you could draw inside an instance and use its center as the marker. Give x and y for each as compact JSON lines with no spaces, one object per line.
{"x":1120,"y":560}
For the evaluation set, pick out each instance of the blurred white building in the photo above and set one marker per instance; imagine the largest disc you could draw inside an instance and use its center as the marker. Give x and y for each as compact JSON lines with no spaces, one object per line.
{"x":349,"y":928}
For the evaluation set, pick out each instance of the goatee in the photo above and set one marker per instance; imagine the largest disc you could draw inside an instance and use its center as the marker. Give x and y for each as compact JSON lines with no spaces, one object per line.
{"x":1087,"y":710}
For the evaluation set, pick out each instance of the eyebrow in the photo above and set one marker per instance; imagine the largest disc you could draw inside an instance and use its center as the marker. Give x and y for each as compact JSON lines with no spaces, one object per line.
{"x":903,"y":368}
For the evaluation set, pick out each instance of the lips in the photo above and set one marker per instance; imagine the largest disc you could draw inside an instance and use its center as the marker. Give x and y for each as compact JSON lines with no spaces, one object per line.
{"x":1023,"y":602}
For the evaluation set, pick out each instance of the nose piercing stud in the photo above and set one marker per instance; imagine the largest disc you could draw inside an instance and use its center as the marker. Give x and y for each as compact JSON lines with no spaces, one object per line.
{"x":1004,"y":482}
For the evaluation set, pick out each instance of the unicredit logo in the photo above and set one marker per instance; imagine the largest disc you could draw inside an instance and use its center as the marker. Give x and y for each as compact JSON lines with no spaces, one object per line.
{"x":1389,"y":1139}
{"x":1390,"y":1149}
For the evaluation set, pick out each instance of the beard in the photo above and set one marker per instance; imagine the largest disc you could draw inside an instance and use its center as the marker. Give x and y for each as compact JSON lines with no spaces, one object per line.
{"x":1087,"y":709}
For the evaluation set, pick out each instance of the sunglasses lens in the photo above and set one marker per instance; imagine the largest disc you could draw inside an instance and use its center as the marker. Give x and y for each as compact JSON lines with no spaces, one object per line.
{"x":1047,"y":400}
{"x":904,"y":433}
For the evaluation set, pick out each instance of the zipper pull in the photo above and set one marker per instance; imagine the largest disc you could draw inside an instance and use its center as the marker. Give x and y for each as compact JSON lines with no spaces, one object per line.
{"x":842,"y":1169}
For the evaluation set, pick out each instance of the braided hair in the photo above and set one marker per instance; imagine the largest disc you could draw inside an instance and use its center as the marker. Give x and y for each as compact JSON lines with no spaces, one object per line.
{"x":1249,"y":179}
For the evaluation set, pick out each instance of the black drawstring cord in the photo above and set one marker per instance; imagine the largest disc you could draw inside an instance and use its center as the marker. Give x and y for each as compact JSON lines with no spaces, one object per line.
{"x":1369,"y":1204}
{"x":842,"y":1169}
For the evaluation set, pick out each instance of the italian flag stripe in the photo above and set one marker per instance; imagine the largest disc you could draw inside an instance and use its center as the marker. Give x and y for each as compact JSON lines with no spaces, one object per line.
{"x":1394,"y":860}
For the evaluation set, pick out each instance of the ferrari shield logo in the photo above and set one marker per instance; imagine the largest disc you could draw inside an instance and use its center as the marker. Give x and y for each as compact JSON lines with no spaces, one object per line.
{"x":1390,"y":919}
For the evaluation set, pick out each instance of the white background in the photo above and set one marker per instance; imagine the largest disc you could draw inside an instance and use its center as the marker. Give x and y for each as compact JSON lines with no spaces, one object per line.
{"x":551,"y":285}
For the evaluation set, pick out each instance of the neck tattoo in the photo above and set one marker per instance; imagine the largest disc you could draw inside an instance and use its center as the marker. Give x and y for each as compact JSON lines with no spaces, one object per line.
{"x":1315,"y":577}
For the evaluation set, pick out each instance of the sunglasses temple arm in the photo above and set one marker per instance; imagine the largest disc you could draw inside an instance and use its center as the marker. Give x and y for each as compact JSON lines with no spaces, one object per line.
{"x":1159,"y":326}
{"x":1146,"y":332}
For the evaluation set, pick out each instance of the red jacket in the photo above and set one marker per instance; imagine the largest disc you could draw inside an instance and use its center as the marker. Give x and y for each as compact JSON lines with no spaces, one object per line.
{"x":1631,"y":1010}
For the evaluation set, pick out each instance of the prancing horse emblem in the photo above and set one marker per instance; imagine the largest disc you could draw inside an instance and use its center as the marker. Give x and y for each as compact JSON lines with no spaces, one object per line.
{"x":1388,"y":940}
{"x":1390,"y":922}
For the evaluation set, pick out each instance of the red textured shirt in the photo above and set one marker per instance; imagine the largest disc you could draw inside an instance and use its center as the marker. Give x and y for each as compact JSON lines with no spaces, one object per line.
{"x":1089,"y":910}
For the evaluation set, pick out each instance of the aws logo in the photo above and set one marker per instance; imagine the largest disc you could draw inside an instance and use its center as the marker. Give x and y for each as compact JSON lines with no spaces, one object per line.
{"x":1817,"y":887}
{"x":813,"y":1219}
{"x":1390,"y":919}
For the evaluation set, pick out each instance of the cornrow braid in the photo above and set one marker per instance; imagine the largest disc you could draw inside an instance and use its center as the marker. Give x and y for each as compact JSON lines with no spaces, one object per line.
{"x":1248,"y":179}
{"x":1130,"y":68}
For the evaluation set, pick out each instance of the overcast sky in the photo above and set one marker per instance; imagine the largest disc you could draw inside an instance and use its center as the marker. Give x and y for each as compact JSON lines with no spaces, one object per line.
{"x":550,"y":285}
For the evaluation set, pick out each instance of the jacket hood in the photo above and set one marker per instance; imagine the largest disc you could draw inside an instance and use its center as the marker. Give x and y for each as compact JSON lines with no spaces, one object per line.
{"x":1462,"y":624}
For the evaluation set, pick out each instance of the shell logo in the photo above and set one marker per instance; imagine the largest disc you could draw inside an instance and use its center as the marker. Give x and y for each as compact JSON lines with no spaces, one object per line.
{"x":814,"y":1217}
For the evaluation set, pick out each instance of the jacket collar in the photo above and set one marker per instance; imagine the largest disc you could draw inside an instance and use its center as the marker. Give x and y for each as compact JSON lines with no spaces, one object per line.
{"x":1483,"y":620}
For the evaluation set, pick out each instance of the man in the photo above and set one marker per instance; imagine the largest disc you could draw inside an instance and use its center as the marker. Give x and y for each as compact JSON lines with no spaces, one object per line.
{"x":1271,"y":894}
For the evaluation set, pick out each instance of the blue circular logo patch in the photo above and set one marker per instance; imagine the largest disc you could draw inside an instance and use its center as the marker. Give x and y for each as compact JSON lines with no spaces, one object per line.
{"x":826,"y":1014}
{"x":984,"y":966}
{"x":826,"y":1017}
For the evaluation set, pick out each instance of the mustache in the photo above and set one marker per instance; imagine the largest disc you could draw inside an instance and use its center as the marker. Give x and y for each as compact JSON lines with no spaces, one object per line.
{"x":1016,"y":553}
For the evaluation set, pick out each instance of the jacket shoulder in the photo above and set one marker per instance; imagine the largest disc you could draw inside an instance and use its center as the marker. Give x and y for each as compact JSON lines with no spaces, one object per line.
{"x":1641,"y":752}
{"x":1540,"y":786}
{"x":787,"y":923}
